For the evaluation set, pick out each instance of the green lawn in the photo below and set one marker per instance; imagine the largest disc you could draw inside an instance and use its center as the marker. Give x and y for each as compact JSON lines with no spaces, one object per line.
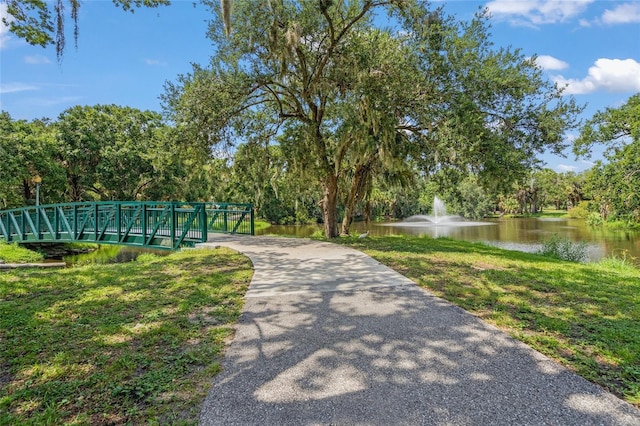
{"x":131,"y":343}
{"x":585,"y":316}
{"x":14,"y":253}
{"x":140,"y":342}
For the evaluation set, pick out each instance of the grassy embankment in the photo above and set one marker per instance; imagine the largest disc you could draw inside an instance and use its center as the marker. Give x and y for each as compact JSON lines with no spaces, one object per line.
{"x":259,"y":224}
{"x":585,"y":316}
{"x":131,"y":343}
{"x":14,"y":253}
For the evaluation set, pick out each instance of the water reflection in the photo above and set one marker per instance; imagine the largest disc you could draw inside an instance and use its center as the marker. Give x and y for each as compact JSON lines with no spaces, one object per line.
{"x":110,"y":254}
{"x":524,"y":234}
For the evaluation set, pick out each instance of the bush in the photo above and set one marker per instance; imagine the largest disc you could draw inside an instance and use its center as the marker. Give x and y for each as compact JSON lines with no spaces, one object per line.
{"x":318,"y":235}
{"x":562,"y":248}
{"x":594,"y":219}
{"x":509,"y":205}
{"x":581,"y":211}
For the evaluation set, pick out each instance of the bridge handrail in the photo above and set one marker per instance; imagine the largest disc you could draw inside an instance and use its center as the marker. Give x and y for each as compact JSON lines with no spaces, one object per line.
{"x":146,"y":223}
{"x":183,"y":203}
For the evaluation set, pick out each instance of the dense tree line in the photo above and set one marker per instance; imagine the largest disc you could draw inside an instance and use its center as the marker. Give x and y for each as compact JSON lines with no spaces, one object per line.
{"x":103,"y":152}
{"x":313,"y":113}
{"x":119,"y":153}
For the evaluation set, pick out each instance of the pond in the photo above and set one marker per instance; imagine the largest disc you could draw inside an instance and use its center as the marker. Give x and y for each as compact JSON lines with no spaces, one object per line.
{"x":525,"y":234}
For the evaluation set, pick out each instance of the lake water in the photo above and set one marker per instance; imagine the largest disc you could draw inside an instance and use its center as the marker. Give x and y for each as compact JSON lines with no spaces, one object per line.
{"x":525,"y":234}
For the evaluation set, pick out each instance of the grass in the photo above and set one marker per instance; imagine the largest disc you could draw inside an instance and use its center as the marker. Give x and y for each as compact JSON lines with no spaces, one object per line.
{"x":259,"y":225}
{"x":139,"y":342}
{"x":130,"y":343}
{"x":14,"y":253}
{"x":585,"y":316}
{"x":546,"y":213}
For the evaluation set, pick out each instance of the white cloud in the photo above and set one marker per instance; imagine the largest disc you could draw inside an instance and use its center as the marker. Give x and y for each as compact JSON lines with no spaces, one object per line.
{"x":626,"y":13}
{"x":588,"y":163}
{"x":37,"y":60}
{"x":537,"y":12}
{"x":566,"y":168}
{"x":585,"y":23}
{"x":4,"y":30}
{"x":547,"y":62}
{"x":571,"y":136}
{"x":154,"y":62}
{"x":608,"y":75}
{"x":16,"y":87}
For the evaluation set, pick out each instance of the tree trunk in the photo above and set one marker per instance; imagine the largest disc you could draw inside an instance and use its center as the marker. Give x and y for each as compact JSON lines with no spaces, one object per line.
{"x":349,"y":206}
{"x":329,"y":205}
{"x":26,"y":191}
{"x":367,"y":212}
{"x":355,"y":195}
{"x":348,"y":217}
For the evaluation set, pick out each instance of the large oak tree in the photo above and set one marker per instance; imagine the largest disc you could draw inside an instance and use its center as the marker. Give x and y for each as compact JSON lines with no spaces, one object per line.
{"x":354,"y":98}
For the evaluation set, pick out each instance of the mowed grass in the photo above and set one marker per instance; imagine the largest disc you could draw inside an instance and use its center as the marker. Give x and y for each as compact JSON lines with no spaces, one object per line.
{"x":585,"y":316}
{"x":133,"y":343}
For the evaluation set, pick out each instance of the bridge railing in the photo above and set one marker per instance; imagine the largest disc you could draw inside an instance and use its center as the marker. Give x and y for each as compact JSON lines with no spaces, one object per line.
{"x":234,"y":218}
{"x":151,"y":224}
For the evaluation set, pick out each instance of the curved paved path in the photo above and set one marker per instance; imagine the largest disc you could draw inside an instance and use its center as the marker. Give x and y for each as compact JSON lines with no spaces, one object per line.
{"x":331,"y":337}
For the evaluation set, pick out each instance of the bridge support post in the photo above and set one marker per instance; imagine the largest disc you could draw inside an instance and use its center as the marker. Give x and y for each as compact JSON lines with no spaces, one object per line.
{"x":203,"y":222}
{"x":252,"y":226}
{"x":172,"y":222}
{"x":144,"y":224}
{"x":75,"y":222}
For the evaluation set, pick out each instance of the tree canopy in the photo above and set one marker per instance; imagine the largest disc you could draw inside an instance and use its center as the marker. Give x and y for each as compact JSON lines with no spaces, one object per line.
{"x":614,"y":185}
{"x":613,"y":128}
{"x":347,"y":99}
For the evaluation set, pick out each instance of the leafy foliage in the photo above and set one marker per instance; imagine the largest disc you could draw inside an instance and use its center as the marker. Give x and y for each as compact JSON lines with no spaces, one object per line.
{"x":614,"y":185}
{"x":613,"y":127}
{"x":110,"y":151}
{"x":27,"y":150}
{"x":470,"y":200}
{"x":349,"y":102}
{"x":562,"y":248}
{"x":102,"y":152}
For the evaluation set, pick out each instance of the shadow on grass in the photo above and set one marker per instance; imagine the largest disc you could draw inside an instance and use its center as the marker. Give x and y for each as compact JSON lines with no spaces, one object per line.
{"x":120,"y":343}
{"x":585,"y":316}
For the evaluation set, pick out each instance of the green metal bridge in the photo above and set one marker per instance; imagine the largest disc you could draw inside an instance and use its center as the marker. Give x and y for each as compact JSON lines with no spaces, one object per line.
{"x":154,"y":224}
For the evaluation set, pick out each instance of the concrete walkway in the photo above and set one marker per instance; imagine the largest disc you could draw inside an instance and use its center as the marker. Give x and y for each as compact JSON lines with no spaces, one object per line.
{"x":331,"y":337}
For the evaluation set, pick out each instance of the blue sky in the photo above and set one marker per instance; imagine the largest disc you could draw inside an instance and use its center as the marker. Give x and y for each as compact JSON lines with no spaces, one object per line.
{"x":125,"y":59}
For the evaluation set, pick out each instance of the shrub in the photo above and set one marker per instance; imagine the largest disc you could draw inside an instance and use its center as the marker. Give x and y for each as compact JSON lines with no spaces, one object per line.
{"x":562,"y":248}
{"x":318,"y":235}
{"x":594,"y":219}
{"x":580,"y":211}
